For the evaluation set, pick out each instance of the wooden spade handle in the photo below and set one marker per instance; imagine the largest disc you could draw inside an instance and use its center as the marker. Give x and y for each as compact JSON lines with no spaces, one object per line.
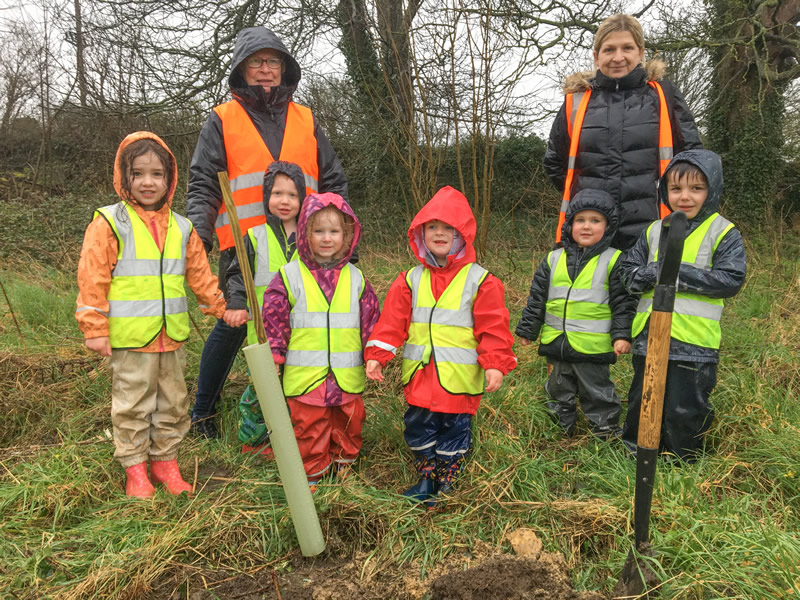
{"x":655,"y":378}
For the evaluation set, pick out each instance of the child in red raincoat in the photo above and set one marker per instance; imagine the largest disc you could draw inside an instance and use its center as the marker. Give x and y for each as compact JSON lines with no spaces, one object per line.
{"x":450,"y":313}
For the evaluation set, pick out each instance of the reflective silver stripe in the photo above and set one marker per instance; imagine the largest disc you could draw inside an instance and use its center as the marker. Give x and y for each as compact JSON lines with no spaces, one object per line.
{"x":147,"y":308}
{"x":246,"y":211}
{"x":556,"y":254}
{"x":143,"y":267}
{"x":453,"y":453}
{"x":319,"y":358}
{"x":564,"y":206}
{"x":461,"y":356}
{"x":263,"y":276}
{"x":421,"y":314}
{"x":455,"y":318}
{"x":476,"y":273}
{"x":382,"y":345}
{"x":247,"y":180}
{"x":414,"y":278}
{"x":296,"y":286}
{"x":423,"y":447}
{"x":578,"y":325}
{"x":665,"y":153}
{"x":317,"y":320}
{"x":102,"y":312}
{"x":571,"y":162}
{"x":413,"y":352}
{"x":706,"y":250}
{"x":591,"y":295}
{"x":310,"y":182}
{"x":688,"y":307}
{"x":356,"y":287}
{"x":250,"y":180}
{"x":558,"y":292}
{"x":601,"y":272}
{"x":577,"y":98}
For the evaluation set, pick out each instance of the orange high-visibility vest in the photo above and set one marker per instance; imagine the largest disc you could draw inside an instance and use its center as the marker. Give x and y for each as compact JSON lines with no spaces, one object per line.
{"x":248,"y":157}
{"x":576,"y":110}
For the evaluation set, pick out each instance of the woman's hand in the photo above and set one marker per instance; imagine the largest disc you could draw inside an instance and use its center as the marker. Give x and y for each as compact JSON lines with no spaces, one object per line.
{"x":235,"y":318}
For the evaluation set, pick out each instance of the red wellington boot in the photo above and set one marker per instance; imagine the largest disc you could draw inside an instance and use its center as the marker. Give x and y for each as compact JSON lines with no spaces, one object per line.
{"x":137,"y":483}
{"x":166,"y":472}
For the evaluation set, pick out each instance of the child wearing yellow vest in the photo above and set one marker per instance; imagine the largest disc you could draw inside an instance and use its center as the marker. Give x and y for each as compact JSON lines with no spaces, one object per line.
{"x":584,"y":314}
{"x":132,"y":307}
{"x":269,"y":247}
{"x":318,"y":313}
{"x":450,"y":312}
{"x":712,"y":267}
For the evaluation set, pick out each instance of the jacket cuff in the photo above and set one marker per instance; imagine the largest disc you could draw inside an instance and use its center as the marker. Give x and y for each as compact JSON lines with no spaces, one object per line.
{"x":379,"y":354}
{"x":278,"y":359}
{"x":503,"y":364}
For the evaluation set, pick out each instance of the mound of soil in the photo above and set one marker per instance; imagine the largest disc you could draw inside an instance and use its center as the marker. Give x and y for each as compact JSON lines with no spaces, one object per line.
{"x":485,"y":572}
{"x":511,"y":578}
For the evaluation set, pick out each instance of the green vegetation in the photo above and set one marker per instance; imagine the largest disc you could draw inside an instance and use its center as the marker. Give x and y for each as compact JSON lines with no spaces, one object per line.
{"x":726,"y":527}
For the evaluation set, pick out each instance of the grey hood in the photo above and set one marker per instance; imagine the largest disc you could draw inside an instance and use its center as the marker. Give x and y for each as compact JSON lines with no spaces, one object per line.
{"x":710,"y":164}
{"x":253,"y":39}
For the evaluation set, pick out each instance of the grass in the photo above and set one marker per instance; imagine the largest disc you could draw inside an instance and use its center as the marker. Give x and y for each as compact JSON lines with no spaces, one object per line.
{"x":726,"y":527}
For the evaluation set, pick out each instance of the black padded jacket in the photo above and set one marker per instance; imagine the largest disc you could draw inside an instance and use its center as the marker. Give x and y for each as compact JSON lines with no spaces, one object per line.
{"x":618,"y":146}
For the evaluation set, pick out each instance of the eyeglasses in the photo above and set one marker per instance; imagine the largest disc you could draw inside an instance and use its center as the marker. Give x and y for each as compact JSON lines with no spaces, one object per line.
{"x":255,"y":63}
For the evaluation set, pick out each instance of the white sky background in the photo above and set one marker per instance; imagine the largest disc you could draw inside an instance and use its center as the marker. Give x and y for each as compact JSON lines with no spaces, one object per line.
{"x":538,"y":92}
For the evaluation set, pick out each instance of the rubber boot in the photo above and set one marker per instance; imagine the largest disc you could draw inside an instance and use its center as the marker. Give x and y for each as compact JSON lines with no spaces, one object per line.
{"x":265,"y":450}
{"x":166,"y":472}
{"x":137,"y":483}
{"x":425,"y":488}
{"x":445,"y":474}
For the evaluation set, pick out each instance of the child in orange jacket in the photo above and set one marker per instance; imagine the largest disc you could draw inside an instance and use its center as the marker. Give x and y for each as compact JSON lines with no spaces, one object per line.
{"x":450,"y":313}
{"x":132,"y":307}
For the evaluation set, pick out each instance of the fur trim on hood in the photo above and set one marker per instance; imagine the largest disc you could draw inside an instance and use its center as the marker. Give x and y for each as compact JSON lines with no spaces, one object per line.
{"x":582,"y":81}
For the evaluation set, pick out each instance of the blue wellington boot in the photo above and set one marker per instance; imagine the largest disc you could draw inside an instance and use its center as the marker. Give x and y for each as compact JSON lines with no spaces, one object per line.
{"x":421,"y":491}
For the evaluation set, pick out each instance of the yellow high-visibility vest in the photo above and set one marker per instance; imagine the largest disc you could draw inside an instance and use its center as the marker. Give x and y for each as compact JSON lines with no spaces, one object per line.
{"x":269,"y":258}
{"x":443,"y":330}
{"x":147,"y":291}
{"x":326,"y":337}
{"x":695,"y":318}
{"x":580,"y":308}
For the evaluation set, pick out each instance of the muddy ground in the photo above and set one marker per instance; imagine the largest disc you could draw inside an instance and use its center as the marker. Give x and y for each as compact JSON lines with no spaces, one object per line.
{"x":483,"y":573}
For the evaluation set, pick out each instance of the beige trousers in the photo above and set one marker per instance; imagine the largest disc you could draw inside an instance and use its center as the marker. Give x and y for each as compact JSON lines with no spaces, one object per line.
{"x":149,"y":405}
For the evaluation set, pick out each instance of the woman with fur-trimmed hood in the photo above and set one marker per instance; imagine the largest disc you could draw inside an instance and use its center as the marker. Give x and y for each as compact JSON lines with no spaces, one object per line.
{"x":618,"y":150}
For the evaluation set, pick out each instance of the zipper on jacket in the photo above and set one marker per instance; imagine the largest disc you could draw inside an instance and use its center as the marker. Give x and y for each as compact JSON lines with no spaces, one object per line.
{"x":566,"y":302}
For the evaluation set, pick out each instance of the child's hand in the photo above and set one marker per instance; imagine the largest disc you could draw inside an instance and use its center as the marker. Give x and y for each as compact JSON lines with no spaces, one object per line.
{"x":100,"y":345}
{"x":494,"y":379}
{"x":235,"y":318}
{"x":524,"y":341}
{"x":622,"y":347}
{"x":374,"y":370}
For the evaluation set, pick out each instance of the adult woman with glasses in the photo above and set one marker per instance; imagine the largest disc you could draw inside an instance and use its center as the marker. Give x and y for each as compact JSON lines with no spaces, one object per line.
{"x":243,"y":136}
{"x":618,"y":128}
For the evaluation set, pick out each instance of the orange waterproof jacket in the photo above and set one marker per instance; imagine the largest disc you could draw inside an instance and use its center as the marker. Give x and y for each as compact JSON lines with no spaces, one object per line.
{"x":99,"y":256}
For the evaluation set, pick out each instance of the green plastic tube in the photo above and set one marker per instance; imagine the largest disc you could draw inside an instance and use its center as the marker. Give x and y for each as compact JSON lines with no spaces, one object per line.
{"x":290,"y":465}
